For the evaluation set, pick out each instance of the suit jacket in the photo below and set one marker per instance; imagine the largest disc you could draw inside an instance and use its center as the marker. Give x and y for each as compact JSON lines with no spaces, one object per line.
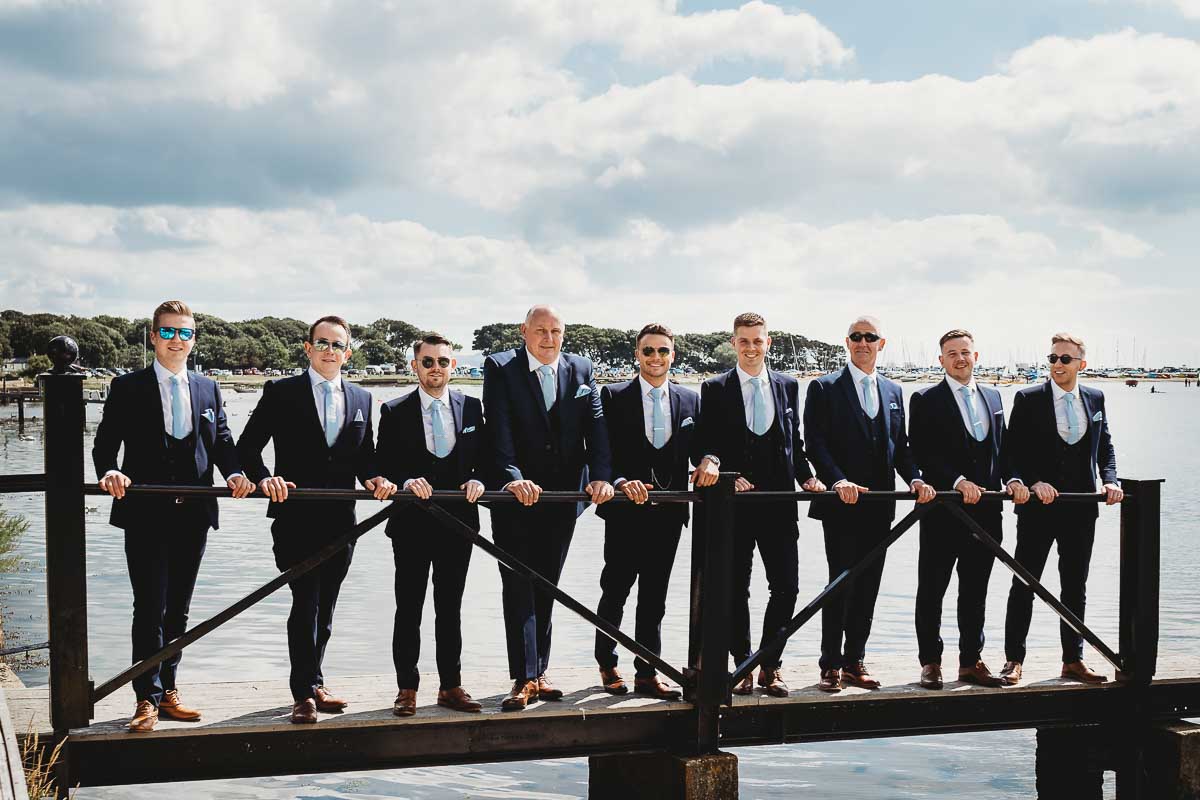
{"x":133,"y":416}
{"x":1033,"y":434}
{"x":402,"y":454}
{"x":941,"y":445}
{"x":839,"y":443}
{"x":287,"y":414}
{"x":626,"y":420}
{"x":522,"y":442}
{"x":723,"y":424}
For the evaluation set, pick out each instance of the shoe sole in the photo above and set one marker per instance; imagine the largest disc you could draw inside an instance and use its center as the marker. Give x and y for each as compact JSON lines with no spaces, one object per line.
{"x":404,"y":713}
{"x":512,"y":707}
{"x":460,"y":708}
{"x":778,"y":693}
{"x":830,"y":689}
{"x":616,"y":690}
{"x":657,"y":695}
{"x":932,"y":686}
{"x":177,"y":717}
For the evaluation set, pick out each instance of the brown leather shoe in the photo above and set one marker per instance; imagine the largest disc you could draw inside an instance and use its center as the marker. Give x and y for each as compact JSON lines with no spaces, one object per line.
{"x":406,"y":703}
{"x":612,"y":681}
{"x":1078,"y":671}
{"x":980,"y":675}
{"x":857,"y":675}
{"x":831,"y":681}
{"x":458,"y":699}
{"x":654,"y":687}
{"x":546,"y":690}
{"x":772,"y":683}
{"x":1010,"y":673}
{"x":145,"y":717}
{"x":745,"y":685}
{"x":304,"y":711}
{"x":327,"y":702}
{"x":931,"y":676}
{"x":171,"y":706}
{"x":522,"y":694}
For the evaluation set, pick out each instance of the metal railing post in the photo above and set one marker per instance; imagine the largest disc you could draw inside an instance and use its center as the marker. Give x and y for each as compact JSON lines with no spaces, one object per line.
{"x":713,"y":688}
{"x":66,"y":574}
{"x":1140,"y":532}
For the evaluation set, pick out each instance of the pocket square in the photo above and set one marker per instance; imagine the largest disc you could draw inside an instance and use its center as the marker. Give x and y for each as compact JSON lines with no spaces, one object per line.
{"x":209,"y":415}
{"x":686,"y":422}
{"x":583,"y":389}
{"x":787,"y":412}
{"x":893,"y":407}
{"x":468,"y":429}
{"x":358,"y":417}
{"x":1099,"y":415}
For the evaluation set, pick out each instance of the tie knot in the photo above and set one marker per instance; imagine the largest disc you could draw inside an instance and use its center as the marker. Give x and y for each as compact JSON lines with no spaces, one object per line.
{"x":1069,"y":397}
{"x":436,"y":402}
{"x":757,"y":380}
{"x":966,"y":391}
{"x":866,"y":381}
{"x":545,"y":370}
{"x":655,"y":392}
{"x":175,"y":379}
{"x":328,"y":386}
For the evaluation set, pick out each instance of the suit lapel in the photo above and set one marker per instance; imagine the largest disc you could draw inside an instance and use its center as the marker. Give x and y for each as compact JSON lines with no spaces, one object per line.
{"x":154,"y":400}
{"x":307,"y":400}
{"x":992,"y":408}
{"x":846,"y":381}
{"x":885,"y":407}
{"x":534,"y":384}
{"x":780,"y":398}
{"x":673,"y":396}
{"x":1048,"y":393}
{"x":456,"y":407}
{"x":565,"y":383}
{"x":197,"y":401}
{"x":737,"y":404}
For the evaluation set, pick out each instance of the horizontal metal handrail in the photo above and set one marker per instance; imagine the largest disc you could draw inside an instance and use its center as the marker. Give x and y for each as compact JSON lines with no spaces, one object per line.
{"x":25,"y":648}
{"x":29,"y":482}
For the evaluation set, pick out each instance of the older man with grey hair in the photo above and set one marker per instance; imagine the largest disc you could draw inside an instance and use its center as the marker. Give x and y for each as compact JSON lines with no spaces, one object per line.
{"x":547,"y":432}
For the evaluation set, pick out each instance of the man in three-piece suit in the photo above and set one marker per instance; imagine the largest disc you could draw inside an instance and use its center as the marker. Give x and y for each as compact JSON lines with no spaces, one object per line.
{"x":751,"y":425}
{"x":650,"y":425}
{"x":1059,"y":440}
{"x":854,"y":423}
{"x":431,"y":439}
{"x":172,"y":423}
{"x":956,"y":428}
{"x":546,"y":428}
{"x":321,"y":427}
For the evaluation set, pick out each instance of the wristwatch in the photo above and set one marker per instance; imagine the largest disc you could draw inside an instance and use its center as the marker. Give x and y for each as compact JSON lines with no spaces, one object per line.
{"x":716,"y":462}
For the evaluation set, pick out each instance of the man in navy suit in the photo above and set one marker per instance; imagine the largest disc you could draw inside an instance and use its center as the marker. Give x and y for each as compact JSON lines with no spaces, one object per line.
{"x":957,"y":432}
{"x":650,"y":425}
{"x":547,"y":431}
{"x":854,"y":423}
{"x":321,"y":426}
{"x":1059,"y":441}
{"x":751,"y":425}
{"x":172,"y":423}
{"x":431,"y":439}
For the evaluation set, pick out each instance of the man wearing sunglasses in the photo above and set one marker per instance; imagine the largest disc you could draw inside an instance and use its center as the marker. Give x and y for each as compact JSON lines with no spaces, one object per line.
{"x":172,"y":423}
{"x":854,"y":423}
{"x":321,"y":427}
{"x":650,"y":425}
{"x":430,"y":440}
{"x":958,"y":436}
{"x":1059,"y":440}
{"x":547,"y":431}
{"x":751,"y":425}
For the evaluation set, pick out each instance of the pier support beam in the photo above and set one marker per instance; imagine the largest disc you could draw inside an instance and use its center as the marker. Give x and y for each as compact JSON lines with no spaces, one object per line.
{"x":1070,"y":762}
{"x":1172,"y":761}
{"x":663,"y":776}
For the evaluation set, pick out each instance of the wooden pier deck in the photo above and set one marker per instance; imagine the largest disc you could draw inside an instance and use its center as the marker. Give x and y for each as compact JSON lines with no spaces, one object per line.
{"x":245,"y":731}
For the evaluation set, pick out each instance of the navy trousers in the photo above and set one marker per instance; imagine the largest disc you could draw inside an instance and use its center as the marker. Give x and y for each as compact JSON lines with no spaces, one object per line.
{"x":776,"y":537}
{"x":846,"y":618}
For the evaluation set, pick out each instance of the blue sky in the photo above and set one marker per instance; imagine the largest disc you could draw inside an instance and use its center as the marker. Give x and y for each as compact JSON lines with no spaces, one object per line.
{"x":1016,"y":168}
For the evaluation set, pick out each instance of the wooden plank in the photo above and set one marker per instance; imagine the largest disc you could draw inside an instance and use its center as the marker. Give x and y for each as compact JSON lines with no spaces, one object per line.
{"x":12,"y":770}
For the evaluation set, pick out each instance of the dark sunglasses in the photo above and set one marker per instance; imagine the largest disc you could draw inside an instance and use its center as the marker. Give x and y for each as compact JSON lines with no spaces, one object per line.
{"x":185,"y":334}
{"x":858,"y":336}
{"x":428,"y":361}
{"x":1054,"y":359}
{"x":321,"y":345}
{"x":662,"y":351}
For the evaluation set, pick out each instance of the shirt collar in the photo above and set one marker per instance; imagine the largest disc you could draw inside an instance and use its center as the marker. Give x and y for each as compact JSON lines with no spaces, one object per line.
{"x":858,"y":374}
{"x":427,"y":399}
{"x":535,"y":365}
{"x":744,"y":376}
{"x":164,"y":375}
{"x":316,"y":379}
{"x":955,"y":386}
{"x":1059,"y":391}
{"x":647,"y":386}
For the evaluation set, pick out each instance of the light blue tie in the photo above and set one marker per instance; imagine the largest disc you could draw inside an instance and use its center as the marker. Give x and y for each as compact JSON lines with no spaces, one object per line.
{"x":441,"y":447}
{"x":976,"y":425}
{"x":178,"y":422}
{"x":760,"y":408}
{"x":869,"y":398}
{"x":658,"y":422}
{"x":331,"y":422}
{"x":546,"y":377}
{"x":1072,"y":420}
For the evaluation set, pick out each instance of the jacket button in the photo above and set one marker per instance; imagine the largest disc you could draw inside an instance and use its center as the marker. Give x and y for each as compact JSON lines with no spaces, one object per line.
{"x":548,"y":448}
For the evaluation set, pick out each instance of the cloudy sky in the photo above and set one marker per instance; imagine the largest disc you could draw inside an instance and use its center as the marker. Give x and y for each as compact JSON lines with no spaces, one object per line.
{"x":1014,"y":168}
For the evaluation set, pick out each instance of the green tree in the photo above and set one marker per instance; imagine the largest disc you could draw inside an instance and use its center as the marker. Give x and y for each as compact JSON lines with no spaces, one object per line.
{"x":38,"y":364}
{"x":496,"y":336}
{"x":11,"y":528}
{"x":724,"y":356}
{"x":377,"y":351}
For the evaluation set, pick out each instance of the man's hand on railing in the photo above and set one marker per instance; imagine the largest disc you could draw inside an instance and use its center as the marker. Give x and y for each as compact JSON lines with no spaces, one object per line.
{"x":636,"y":491}
{"x":276,"y":488}
{"x":420,"y":487}
{"x":1045,"y":492}
{"x":380,"y":487}
{"x":923,"y":490}
{"x":474,"y":490}
{"x":847,"y":491}
{"x":970,"y":491}
{"x":241,"y":486}
{"x":527,"y":492}
{"x":115,"y":483}
{"x":1114,"y":494}
{"x":707,"y":474}
{"x":813,"y":485}
{"x":1018,"y":490}
{"x":740,"y":484}
{"x":601,"y":491}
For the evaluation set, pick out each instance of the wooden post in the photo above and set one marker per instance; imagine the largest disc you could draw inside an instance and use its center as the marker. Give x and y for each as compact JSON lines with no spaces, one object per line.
{"x":712,"y":688}
{"x":66,"y":574}
{"x":1140,"y":533}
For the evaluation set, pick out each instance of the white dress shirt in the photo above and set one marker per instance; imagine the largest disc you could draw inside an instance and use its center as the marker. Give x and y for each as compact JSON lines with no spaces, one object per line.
{"x":427,"y":418}
{"x":981,"y":412}
{"x":858,"y":375}
{"x":748,"y":395}
{"x":339,"y":398}
{"x":1060,"y":412}
{"x":164,"y":376}
{"x":648,"y":410}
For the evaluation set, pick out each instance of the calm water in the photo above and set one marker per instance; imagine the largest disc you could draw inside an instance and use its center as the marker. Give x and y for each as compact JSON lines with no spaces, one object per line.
{"x":1155,"y":436}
